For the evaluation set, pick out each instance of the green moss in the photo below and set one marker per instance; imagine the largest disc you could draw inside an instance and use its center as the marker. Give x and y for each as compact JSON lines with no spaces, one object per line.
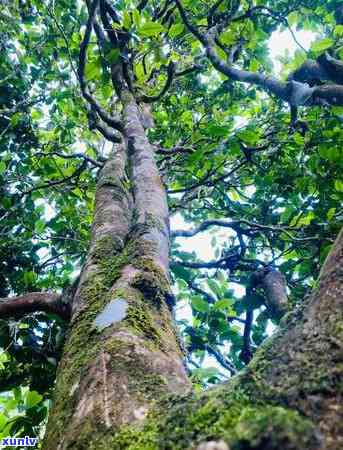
{"x":153,"y":222}
{"x":243,"y":423}
{"x":106,"y":247}
{"x":144,"y":319}
{"x":151,"y":281}
{"x":272,"y":427}
{"x":140,"y":321}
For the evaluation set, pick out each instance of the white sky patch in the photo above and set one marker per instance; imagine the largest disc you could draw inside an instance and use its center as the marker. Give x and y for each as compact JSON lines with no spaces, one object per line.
{"x":282,"y":42}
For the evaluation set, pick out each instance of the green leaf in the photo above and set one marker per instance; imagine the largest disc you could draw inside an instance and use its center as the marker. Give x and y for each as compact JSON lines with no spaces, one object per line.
{"x":2,"y":167}
{"x":36,"y":114}
{"x":126,"y":20}
{"x":338,"y":30}
{"x":15,"y":119}
{"x":254,"y":65}
{"x":39,"y":226}
{"x":187,"y":118}
{"x":151,"y":29}
{"x":248,"y":136}
{"x":139,"y":71}
{"x":3,"y":358}
{"x":298,"y":139}
{"x":32,"y":399}
{"x":176,"y":30}
{"x":136,"y":17}
{"x":293,"y":18}
{"x":228,"y":38}
{"x":92,"y":70}
{"x":322,"y":45}
{"x":199,"y":304}
{"x":113,"y":55}
{"x":29,"y":277}
{"x":339,"y":185}
{"x":214,"y":286}
{"x":3,"y":421}
{"x":329,"y":153}
{"x":224,"y":303}
{"x":330,"y":214}
{"x":217,"y":130}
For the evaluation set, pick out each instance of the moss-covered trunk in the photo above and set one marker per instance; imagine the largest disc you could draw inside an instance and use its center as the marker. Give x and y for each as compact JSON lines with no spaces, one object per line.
{"x":122,"y":352}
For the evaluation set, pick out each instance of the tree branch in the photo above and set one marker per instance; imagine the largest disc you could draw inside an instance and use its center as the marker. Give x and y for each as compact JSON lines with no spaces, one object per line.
{"x":71,"y":156}
{"x":51,"y":183}
{"x":274,"y":285}
{"x":32,"y":302}
{"x":170,"y":77}
{"x":110,"y":120}
{"x":174,"y":150}
{"x":195,"y":68}
{"x":325,"y":68}
{"x":246,"y":353}
{"x":221,"y":358}
{"x":235,"y":225}
{"x":292,"y":92}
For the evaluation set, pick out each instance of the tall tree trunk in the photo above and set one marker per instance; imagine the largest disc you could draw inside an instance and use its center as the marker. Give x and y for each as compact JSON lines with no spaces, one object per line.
{"x":122,"y":352}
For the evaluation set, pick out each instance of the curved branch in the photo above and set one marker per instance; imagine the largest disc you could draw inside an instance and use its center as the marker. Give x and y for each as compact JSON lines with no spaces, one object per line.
{"x":235,"y":225}
{"x":107,"y":132}
{"x":32,"y":302}
{"x":76,"y":174}
{"x":209,"y":298}
{"x":221,"y":359}
{"x":268,"y":83}
{"x":292,"y":92}
{"x":227,"y":263}
{"x":204,"y":225}
{"x":195,"y":68}
{"x":325,"y":68}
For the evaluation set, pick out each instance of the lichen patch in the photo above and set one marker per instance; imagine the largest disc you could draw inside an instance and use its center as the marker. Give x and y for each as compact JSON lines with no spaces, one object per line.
{"x":114,"y":311}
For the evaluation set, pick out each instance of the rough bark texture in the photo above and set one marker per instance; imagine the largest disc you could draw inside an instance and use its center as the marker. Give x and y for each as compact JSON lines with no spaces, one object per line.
{"x":121,"y":383}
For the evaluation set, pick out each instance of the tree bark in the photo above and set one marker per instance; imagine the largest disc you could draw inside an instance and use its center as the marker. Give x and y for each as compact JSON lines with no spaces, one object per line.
{"x":274,"y":286}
